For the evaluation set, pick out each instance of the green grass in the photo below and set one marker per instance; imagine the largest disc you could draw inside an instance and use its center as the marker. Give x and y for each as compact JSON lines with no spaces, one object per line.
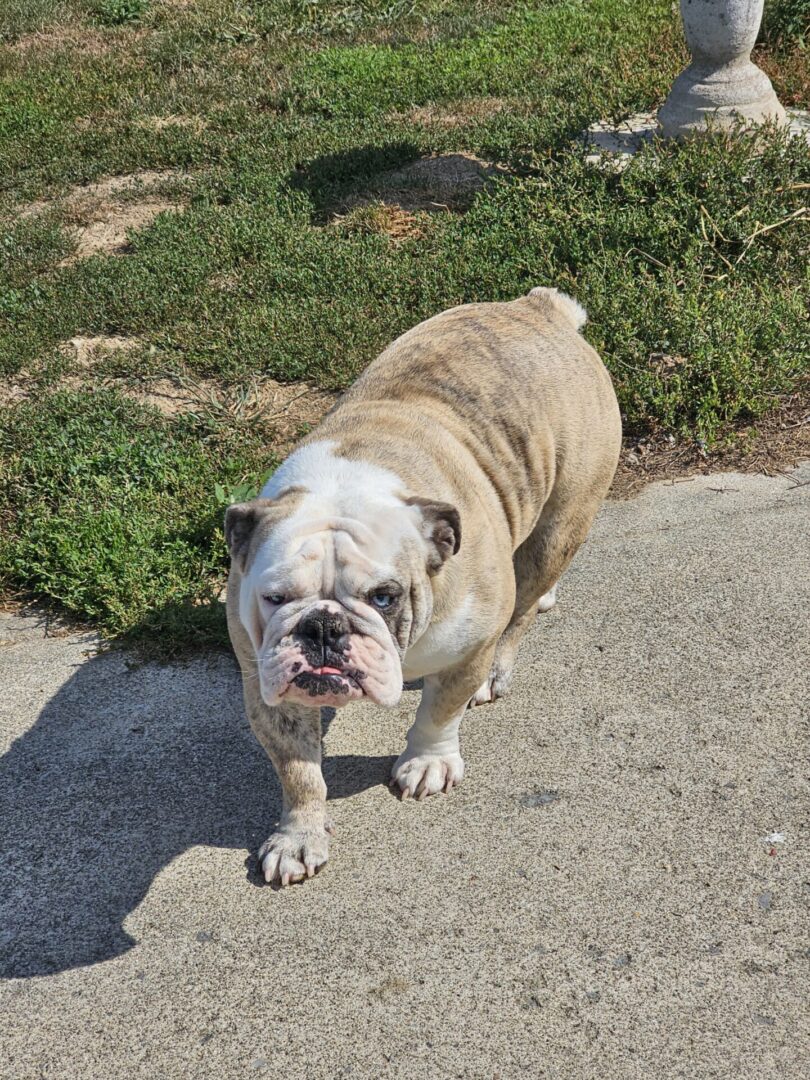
{"x":293,"y":108}
{"x":117,"y":513}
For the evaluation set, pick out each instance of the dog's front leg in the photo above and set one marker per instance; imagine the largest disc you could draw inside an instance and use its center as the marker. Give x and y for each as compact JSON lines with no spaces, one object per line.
{"x":431,"y":761}
{"x":291,"y":735}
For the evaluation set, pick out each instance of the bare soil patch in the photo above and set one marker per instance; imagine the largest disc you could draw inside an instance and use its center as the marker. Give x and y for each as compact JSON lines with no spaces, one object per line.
{"x":776,"y":444}
{"x":387,"y":219}
{"x":435,"y":184}
{"x":83,"y":351}
{"x":286,"y":407}
{"x":99,"y":215}
{"x":87,"y":350}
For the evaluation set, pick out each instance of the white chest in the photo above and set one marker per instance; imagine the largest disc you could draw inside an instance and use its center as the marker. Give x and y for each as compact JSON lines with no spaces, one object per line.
{"x":442,"y":645}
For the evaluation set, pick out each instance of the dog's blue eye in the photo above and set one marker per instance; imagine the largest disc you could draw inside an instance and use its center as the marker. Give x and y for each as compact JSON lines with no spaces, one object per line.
{"x":382,"y":600}
{"x":276,"y":599}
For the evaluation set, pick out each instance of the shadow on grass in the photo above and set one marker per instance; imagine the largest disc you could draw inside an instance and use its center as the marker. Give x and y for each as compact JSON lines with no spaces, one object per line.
{"x":330,"y":178}
{"x":127,"y":767}
{"x":179,"y":630}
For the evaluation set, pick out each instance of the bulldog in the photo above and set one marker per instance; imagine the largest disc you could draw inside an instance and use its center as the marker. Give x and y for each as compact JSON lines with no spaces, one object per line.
{"x":416,"y":533}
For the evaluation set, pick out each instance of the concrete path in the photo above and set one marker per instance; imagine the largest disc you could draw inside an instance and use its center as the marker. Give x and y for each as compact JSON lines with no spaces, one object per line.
{"x":619,"y":888}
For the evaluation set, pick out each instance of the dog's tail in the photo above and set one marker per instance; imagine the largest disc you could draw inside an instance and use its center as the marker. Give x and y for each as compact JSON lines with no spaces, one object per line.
{"x":562,"y":304}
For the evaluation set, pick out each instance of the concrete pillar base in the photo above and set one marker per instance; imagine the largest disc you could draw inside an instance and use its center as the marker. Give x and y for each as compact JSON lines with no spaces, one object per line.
{"x":612,"y":146}
{"x":720,"y":99}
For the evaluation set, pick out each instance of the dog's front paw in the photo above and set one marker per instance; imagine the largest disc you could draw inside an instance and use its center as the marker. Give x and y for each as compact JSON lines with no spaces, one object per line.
{"x":293,"y":853}
{"x":426,"y":774}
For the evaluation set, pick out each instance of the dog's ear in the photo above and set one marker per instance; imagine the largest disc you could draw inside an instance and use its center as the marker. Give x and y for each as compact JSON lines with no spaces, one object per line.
{"x":441,"y":528}
{"x":241,"y":520}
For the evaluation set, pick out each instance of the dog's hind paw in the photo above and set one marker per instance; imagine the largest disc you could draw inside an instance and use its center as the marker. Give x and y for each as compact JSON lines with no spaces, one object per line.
{"x":547,"y":601}
{"x":493,"y":687}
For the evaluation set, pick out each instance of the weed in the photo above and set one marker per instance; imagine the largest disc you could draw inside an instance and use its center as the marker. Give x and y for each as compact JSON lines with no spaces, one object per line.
{"x":786,"y":23}
{"x":110,"y":510}
{"x":119,"y":12}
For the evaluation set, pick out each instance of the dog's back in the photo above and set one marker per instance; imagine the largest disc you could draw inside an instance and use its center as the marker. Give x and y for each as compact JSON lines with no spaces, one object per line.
{"x":515,"y":385}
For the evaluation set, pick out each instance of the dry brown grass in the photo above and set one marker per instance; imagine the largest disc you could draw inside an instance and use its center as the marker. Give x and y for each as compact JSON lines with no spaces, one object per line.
{"x":195,"y":124}
{"x":777,"y":443}
{"x":789,"y":72}
{"x":456,"y":113}
{"x":387,"y":219}
{"x":80,"y":41}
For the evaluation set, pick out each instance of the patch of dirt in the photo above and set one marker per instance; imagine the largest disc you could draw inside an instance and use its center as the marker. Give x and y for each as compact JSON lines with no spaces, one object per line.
{"x":226,"y":282}
{"x":286,"y":407}
{"x":106,"y":234}
{"x":84,"y":351}
{"x":440,"y":182}
{"x":454,"y":114}
{"x":379,"y":217}
{"x":100,"y":214}
{"x":87,"y":350}
{"x":775,"y":445}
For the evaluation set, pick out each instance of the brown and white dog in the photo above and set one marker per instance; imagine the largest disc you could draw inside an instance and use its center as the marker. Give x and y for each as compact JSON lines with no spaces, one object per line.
{"x":416,"y":533}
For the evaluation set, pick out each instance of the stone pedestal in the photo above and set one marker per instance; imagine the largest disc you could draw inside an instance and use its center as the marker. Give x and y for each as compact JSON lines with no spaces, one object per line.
{"x":721,"y":87}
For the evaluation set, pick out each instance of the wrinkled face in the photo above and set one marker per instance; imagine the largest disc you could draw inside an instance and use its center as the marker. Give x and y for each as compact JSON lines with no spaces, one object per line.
{"x":332,"y":602}
{"x":330,"y":613}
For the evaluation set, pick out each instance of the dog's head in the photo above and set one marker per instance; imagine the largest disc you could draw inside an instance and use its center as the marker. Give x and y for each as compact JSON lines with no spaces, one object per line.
{"x":334,"y":590}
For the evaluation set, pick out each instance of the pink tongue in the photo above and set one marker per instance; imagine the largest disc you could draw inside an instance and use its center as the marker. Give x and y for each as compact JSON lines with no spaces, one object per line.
{"x":327,"y":671}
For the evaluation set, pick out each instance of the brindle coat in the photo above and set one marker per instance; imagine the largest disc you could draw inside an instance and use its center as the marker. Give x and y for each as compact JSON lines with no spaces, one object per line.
{"x":504,"y":412}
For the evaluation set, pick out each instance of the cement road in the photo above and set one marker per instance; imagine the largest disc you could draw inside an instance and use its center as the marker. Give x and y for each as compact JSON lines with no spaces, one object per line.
{"x":619,"y":888}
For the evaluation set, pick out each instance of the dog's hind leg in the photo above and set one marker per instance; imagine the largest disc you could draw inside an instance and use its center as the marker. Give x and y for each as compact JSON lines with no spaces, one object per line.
{"x":539,"y":563}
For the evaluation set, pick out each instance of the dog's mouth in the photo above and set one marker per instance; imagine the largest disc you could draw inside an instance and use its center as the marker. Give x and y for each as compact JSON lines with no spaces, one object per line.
{"x":329,"y":681}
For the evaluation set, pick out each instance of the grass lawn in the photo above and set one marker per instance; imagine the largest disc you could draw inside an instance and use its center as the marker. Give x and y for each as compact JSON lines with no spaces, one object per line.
{"x":271,"y":224}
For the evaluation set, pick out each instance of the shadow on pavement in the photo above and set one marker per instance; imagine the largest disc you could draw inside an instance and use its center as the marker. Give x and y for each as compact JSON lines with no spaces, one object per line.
{"x":124,"y":770}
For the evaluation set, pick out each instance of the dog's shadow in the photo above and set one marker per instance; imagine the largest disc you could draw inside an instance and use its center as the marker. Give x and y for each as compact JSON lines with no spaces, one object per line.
{"x":125,"y":769}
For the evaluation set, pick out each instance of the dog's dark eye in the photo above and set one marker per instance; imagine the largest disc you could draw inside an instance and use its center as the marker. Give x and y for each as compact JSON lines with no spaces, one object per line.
{"x":276,"y":599}
{"x":382,"y":600}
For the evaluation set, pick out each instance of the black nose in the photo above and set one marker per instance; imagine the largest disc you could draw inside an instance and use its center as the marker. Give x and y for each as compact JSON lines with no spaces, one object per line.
{"x":324,"y":629}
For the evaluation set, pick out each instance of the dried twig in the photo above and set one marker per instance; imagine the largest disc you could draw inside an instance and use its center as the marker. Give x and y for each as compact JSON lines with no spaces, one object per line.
{"x":761,"y":229}
{"x":719,"y":254}
{"x":649,"y":258}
